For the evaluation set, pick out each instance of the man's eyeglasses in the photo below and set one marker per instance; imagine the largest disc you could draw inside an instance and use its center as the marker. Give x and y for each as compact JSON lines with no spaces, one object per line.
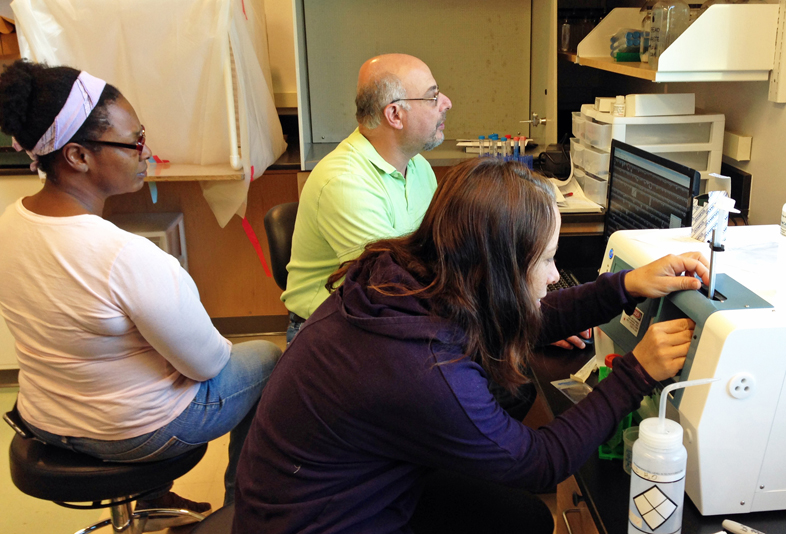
{"x":139,"y":146}
{"x":430,"y":99}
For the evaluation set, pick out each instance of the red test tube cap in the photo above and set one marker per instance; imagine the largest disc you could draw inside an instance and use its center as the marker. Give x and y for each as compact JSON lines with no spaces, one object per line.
{"x":609,"y":361}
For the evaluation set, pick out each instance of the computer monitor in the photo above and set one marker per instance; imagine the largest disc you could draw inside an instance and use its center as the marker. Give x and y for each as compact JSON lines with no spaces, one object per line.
{"x":647,"y":191}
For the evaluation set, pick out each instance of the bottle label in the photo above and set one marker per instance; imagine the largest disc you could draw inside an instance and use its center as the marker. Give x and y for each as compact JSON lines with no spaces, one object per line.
{"x":656,"y":499}
{"x":664,"y":476}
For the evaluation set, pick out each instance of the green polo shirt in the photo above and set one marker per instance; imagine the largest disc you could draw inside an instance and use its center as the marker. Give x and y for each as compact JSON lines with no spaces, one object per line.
{"x":351,"y":198}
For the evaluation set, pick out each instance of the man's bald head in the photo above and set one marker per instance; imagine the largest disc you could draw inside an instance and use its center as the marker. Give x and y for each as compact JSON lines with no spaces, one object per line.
{"x":383,"y":79}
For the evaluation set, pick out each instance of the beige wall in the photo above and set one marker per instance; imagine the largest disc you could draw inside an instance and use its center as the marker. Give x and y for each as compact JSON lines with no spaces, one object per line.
{"x":748,"y":112}
{"x":281,"y":43}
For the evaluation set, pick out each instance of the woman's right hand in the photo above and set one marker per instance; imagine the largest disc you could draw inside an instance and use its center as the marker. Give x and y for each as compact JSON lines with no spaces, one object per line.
{"x":663,"y":348}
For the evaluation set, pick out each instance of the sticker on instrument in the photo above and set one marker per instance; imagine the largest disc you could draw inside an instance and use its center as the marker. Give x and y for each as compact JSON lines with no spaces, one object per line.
{"x":632,"y":322}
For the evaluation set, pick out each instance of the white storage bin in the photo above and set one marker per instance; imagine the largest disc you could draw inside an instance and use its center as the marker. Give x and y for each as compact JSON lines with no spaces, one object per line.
{"x":578,"y":124}
{"x":596,"y":189}
{"x":668,"y":134}
{"x":692,"y":140}
{"x":698,"y":160}
{"x":598,"y":135}
{"x":576,"y":152}
{"x":595,"y":161}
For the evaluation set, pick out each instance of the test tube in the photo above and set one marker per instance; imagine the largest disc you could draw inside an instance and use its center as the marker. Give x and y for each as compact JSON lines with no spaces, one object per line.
{"x":481,"y":142}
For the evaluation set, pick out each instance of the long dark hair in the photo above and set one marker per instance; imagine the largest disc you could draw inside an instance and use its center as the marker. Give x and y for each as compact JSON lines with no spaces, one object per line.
{"x":488,"y":223}
{"x":31,"y":96}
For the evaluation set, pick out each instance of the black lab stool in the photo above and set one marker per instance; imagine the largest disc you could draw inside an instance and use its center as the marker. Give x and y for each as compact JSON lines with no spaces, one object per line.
{"x":62,"y":476}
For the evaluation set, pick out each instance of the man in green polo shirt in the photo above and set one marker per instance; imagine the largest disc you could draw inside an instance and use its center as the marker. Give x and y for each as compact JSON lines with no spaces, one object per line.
{"x":374,"y":185}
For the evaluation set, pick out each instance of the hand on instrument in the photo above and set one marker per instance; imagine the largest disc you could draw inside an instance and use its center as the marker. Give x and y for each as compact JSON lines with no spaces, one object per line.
{"x":670,"y":273}
{"x":663,"y":348}
{"x":574,"y":341}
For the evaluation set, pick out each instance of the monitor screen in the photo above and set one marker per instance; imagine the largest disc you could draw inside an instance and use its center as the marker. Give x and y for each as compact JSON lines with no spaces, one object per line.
{"x":647,"y":191}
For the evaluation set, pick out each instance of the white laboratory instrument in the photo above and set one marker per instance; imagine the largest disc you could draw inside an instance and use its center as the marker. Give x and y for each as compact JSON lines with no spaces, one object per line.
{"x":735,"y":428}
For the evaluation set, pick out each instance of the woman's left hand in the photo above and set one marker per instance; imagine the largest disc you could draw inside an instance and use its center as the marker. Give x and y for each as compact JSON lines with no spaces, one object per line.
{"x":668,"y":274}
{"x":574,"y":341}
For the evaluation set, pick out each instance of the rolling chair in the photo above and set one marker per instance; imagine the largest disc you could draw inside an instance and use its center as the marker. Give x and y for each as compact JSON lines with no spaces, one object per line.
{"x":64,"y":477}
{"x":279,"y":226}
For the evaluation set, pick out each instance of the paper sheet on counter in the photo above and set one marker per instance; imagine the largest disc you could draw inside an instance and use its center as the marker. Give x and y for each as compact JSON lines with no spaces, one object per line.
{"x":577,"y":202}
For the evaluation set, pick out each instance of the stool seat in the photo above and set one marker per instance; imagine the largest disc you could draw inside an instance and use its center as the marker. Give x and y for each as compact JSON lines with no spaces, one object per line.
{"x":55,"y":474}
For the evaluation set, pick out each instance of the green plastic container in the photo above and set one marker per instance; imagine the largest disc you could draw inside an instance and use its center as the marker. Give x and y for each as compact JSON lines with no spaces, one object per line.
{"x":614,"y":448}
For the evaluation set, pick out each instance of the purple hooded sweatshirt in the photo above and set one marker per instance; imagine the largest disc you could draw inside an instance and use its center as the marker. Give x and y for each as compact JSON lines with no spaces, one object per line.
{"x":357,"y":411}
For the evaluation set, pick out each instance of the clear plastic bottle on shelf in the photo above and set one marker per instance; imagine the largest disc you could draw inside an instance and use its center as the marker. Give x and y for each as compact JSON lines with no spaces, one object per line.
{"x":646,"y":25}
{"x":669,"y":19}
{"x":565,"y":36}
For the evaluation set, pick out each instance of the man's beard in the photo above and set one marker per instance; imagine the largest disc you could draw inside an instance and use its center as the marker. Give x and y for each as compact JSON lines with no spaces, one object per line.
{"x":434,"y":142}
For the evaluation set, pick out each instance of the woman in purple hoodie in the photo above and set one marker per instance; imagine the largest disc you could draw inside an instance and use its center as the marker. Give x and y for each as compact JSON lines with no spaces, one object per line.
{"x":387,"y":382}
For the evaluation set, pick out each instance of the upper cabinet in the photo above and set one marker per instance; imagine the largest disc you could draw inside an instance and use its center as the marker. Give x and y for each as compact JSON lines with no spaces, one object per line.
{"x":728,"y":42}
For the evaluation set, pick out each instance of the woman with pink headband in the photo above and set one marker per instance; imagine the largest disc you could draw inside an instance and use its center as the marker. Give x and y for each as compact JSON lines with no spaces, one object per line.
{"x":118,"y":358}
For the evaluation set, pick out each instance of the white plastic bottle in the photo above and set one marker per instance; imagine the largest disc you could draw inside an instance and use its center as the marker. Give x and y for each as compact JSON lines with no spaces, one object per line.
{"x":657,"y":471}
{"x":669,"y":19}
{"x":783,"y":220}
{"x":618,"y":109}
{"x":657,"y":483}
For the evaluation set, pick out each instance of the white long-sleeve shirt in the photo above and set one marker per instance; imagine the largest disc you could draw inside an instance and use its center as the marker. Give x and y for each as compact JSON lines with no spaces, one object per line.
{"x":111,"y":337}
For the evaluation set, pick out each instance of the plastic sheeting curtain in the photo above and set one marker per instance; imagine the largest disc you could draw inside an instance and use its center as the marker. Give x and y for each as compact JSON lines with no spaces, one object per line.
{"x":168,"y":58}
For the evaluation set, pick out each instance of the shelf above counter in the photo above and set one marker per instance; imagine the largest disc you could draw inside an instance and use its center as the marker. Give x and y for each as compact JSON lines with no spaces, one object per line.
{"x":728,"y":42}
{"x":181,"y":172}
{"x":626,"y":68}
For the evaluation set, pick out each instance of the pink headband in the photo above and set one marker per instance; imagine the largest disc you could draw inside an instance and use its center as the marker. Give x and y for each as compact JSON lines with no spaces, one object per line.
{"x":81,"y":101}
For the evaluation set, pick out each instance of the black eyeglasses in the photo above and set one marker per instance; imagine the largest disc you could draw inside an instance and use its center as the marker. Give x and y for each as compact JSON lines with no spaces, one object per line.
{"x":139,"y":146}
{"x":431,"y":99}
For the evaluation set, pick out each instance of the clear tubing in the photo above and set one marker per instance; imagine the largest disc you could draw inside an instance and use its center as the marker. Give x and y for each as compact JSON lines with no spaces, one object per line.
{"x":664,"y":395}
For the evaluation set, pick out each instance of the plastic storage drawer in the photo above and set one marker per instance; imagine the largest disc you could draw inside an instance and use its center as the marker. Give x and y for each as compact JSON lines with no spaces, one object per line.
{"x":577,"y":152}
{"x":580,"y":176}
{"x":595,"y":161}
{"x":578,"y":124}
{"x":669,"y":134}
{"x":597,"y":134}
{"x":596,"y":188}
{"x":698,"y":160}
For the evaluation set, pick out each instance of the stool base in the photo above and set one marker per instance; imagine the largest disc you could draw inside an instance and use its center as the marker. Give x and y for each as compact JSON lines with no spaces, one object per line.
{"x":123,"y":519}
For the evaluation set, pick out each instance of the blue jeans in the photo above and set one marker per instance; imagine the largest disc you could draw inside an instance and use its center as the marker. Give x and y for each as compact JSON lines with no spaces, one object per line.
{"x":225,"y":403}
{"x":293,"y":328}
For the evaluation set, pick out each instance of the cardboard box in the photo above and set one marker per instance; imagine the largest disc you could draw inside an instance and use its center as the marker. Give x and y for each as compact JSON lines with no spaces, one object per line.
{"x":9,"y":45}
